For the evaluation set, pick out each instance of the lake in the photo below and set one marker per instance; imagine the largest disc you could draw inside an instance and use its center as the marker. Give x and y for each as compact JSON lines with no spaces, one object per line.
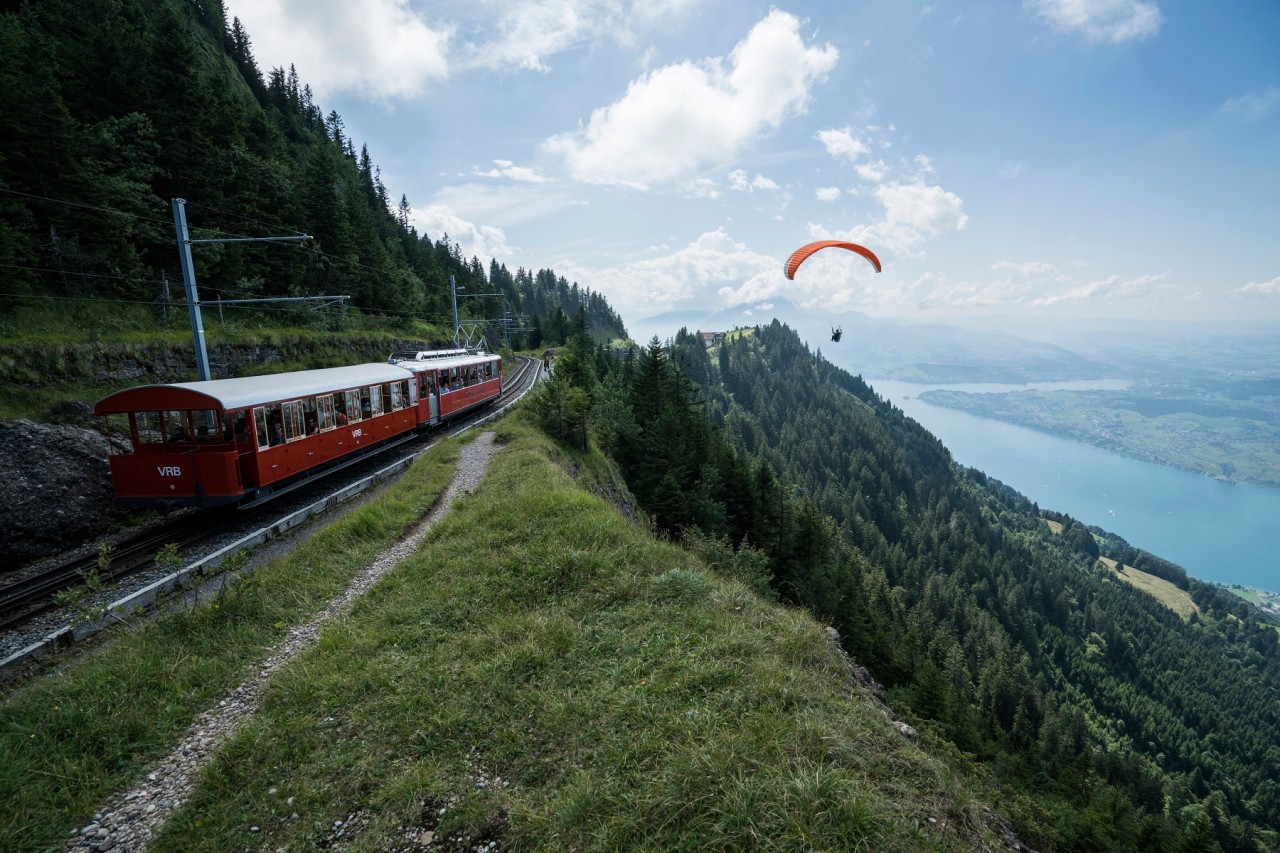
{"x":1228,"y":534}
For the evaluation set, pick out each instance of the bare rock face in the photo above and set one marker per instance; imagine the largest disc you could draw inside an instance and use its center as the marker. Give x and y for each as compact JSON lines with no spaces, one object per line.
{"x":55,"y":490}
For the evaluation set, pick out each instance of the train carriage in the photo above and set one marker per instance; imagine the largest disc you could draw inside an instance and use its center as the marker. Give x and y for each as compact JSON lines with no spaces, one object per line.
{"x":232,"y":441}
{"x":223,"y":441}
{"x":451,"y":382}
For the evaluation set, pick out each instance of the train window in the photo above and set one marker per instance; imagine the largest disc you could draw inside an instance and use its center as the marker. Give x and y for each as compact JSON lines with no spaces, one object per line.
{"x":353,"y":405}
{"x":406,"y":393}
{"x":119,"y":440}
{"x":371,"y":401}
{"x":455,"y":379}
{"x":207,"y":428}
{"x":444,"y":382}
{"x":149,"y":428}
{"x":292,"y":419}
{"x":310,"y":423}
{"x":239,"y":426}
{"x":325,"y":412}
{"x":260,"y":422}
{"x":386,"y":398}
{"x":399,"y":395}
{"x":176,"y":428}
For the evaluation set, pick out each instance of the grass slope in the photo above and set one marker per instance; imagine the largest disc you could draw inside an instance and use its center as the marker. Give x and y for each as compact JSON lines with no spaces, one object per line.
{"x":542,"y":674}
{"x":1168,"y":594}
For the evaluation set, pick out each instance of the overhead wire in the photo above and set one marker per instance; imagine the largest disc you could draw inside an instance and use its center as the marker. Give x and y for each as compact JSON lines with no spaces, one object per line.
{"x":311,"y":250}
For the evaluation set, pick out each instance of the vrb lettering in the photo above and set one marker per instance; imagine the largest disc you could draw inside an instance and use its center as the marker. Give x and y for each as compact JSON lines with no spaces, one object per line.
{"x":169,"y":470}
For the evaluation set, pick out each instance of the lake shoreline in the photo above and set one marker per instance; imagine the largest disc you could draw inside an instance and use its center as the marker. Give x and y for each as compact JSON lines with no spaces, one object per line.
{"x":1216,"y":531}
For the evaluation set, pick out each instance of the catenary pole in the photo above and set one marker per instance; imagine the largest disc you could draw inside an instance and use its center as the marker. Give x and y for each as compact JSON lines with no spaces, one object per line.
{"x":189,"y":277}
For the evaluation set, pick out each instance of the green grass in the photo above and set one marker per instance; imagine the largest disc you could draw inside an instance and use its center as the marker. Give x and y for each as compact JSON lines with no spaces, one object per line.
{"x":1168,"y":594}
{"x":68,"y":740}
{"x":541,"y":673}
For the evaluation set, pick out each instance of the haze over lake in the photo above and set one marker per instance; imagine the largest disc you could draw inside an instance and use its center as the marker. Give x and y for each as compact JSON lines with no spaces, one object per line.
{"x":1217,"y":531}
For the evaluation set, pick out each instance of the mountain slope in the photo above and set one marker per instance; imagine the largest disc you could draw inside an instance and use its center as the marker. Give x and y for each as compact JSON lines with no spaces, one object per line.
{"x":1013,"y":640}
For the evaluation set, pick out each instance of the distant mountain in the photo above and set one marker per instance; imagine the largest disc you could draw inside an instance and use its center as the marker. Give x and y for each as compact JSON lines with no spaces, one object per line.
{"x":891,"y":349}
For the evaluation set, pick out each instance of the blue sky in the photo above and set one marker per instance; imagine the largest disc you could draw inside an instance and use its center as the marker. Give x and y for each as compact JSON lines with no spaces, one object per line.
{"x":1033,"y":159}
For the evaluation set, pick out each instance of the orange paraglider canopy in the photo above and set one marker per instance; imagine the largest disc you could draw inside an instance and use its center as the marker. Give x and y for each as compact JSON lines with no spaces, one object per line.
{"x":799,"y":255}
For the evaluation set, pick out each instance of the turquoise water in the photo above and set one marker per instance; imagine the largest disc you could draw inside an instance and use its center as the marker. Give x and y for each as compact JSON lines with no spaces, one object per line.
{"x":1228,"y":534}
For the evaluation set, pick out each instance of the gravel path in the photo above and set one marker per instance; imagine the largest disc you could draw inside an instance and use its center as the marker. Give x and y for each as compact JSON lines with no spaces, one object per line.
{"x":131,"y":818}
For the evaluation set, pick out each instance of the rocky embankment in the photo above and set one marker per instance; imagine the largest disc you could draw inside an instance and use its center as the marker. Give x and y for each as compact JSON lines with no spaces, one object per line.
{"x":55,"y":490}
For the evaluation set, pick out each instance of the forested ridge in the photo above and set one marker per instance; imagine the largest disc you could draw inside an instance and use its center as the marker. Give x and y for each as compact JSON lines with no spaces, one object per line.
{"x":1109,"y":722}
{"x":111,"y":108}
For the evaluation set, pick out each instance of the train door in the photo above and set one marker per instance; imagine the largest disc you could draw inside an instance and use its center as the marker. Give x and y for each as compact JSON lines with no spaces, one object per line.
{"x":427,"y":392}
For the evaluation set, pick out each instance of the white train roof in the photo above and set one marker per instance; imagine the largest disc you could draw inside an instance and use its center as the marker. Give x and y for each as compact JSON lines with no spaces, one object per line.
{"x":246,"y":391}
{"x":444,"y":362}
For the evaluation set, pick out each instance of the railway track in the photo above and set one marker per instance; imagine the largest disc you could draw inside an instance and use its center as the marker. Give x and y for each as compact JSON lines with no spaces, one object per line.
{"x":35,"y":594}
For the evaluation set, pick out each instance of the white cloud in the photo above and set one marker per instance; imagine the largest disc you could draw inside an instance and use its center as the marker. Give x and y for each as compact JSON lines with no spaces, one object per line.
{"x":699,"y":188}
{"x":913,"y":212}
{"x":377,"y":48}
{"x":532,"y":30}
{"x":508,"y":169}
{"x":873,"y":172}
{"x":481,"y":241}
{"x":1112,"y":21}
{"x":527,"y":34}
{"x":681,"y":118}
{"x":827,"y":193}
{"x":690,"y":276}
{"x":738,"y":181}
{"x":1109,"y":289}
{"x":1253,"y":106}
{"x":842,"y":144}
{"x":1267,"y":288}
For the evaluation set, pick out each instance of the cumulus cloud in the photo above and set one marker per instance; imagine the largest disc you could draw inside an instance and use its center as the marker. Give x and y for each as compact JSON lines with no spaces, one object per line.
{"x":690,"y":276}
{"x":842,"y":144}
{"x":509,"y":170}
{"x":681,"y":118}
{"x":1113,"y":21}
{"x":912,"y":213}
{"x":827,"y":193}
{"x":377,"y":48}
{"x":738,"y":181}
{"x":1266,"y":288}
{"x":872,"y":172}
{"x":481,"y":241}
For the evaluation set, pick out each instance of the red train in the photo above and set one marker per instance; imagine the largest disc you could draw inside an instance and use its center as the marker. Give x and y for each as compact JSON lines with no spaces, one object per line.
{"x":235,"y":441}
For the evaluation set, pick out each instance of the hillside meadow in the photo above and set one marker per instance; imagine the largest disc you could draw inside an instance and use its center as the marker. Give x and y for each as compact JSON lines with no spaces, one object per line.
{"x":542,"y":673}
